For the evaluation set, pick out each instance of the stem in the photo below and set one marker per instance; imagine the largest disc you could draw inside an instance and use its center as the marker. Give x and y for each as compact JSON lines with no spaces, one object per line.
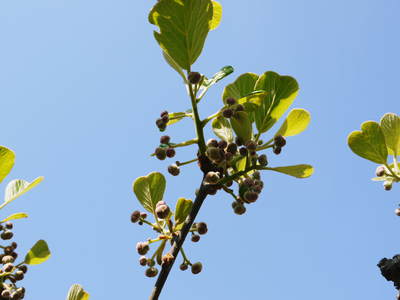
{"x":185,"y":259}
{"x":392,"y":172}
{"x":178,"y":163}
{"x":178,"y":242}
{"x":199,"y":129}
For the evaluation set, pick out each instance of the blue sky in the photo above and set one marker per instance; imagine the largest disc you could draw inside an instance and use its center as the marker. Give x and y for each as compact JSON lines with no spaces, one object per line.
{"x":81,"y":83}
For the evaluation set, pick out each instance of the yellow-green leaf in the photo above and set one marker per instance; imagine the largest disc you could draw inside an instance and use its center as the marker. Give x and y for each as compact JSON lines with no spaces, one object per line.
{"x":18,"y":187}
{"x":369,"y":143}
{"x":222,"y":128}
{"x":149,"y":190}
{"x":390,"y":124}
{"x":38,"y":254}
{"x":217,"y":15}
{"x":183,"y":28}
{"x":7,"y":159}
{"x":15,"y":217}
{"x":241,"y":124}
{"x":76,"y":292}
{"x":241,"y":87}
{"x":174,"y":65}
{"x":298,"y":171}
{"x":296,"y":122}
{"x":182,"y":210}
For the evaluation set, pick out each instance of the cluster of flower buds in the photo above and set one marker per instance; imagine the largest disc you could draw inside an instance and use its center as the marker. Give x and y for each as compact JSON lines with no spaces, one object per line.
{"x":10,"y":272}
{"x":138,"y":217}
{"x":164,"y":150}
{"x":162,"y":121}
{"x":383,"y":172}
{"x":232,"y":108}
{"x":279,"y":143}
{"x":197,"y":230}
{"x":249,"y":189}
{"x":390,"y":269}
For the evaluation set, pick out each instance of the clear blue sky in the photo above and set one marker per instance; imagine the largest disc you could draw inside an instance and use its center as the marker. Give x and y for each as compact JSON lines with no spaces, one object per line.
{"x":81,"y":83}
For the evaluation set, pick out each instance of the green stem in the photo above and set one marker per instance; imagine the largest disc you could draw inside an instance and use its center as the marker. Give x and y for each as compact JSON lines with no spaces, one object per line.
{"x":392,"y":172}
{"x":185,"y":259}
{"x":266,"y":145}
{"x":178,"y":163}
{"x":199,"y":129}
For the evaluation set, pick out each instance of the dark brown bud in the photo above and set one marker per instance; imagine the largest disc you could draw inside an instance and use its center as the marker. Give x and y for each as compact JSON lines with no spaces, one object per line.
{"x":19,"y":275}
{"x":279,"y":141}
{"x":211,"y":178}
{"x":243,"y":151}
{"x":212,"y":143}
{"x":174,"y":170}
{"x":380,"y":171}
{"x":230,"y":101}
{"x":143,"y":215}
{"x":142,"y":248}
{"x":160,"y":153}
{"x":162,"y":211}
{"x":250,"y":196}
{"x":8,"y":250}
{"x":277,"y":150}
{"x":387,"y":185}
{"x":194,"y":77}
{"x":170,"y":152}
{"x":6,"y":235}
{"x":143,"y":261}
{"x":211,"y":189}
{"x":151,"y":272}
{"x":262,"y":160}
{"x":165,"y":139}
{"x":251,"y":145}
{"x":227,"y":113}
{"x":135,"y":216}
{"x":183,"y":267}
{"x":9,"y":225}
{"x":201,"y":228}
{"x":248,"y":182}
{"x":8,"y":267}
{"x":23,"y":268}
{"x":222,"y":144}
{"x":239,"y":107}
{"x":197,"y":267}
{"x":14,"y":245}
{"x":165,"y":119}
{"x":214,"y":153}
{"x":232,"y":148}
{"x":160,"y":123}
{"x":163,"y":113}
{"x":195,"y":238}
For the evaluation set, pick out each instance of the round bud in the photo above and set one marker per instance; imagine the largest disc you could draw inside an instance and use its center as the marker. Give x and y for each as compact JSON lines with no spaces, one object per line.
{"x":9,"y":225}
{"x":143,"y":261}
{"x":174,"y":170}
{"x":248,"y":182}
{"x":143,"y":215}
{"x":140,"y":223}
{"x":231,"y":148}
{"x":194,"y":77}
{"x":262,"y":160}
{"x":277,"y":150}
{"x":163,"y":113}
{"x":142,"y":248}
{"x":387,"y":185}
{"x":212,"y":143}
{"x":8,"y":267}
{"x":23,"y":268}
{"x":8,"y":250}
{"x":6,"y":235}
{"x":7,"y":259}
{"x":239,"y":107}
{"x":160,"y":153}
{"x":170,"y":152}
{"x":183,"y":267}
{"x":165,"y":119}
{"x":195,"y":238}
{"x":380,"y":171}
{"x":19,"y":275}
{"x":162,"y":127}
{"x":243,"y":151}
{"x":256,"y":174}
{"x":250,"y":196}
{"x":135,"y":216}
{"x":165,"y":139}
{"x":214,"y":153}
{"x":6,"y":294}
{"x":397,"y":212}
{"x":162,"y":211}
{"x":151,"y":272}
{"x":279,"y":141}
{"x":197,"y":267}
{"x":201,"y":228}
{"x":240,"y":209}
{"x":251,"y":145}
{"x":229,"y":183}
{"x":230,"y":101}
{"x":222,"y":144}
{"x":227,"y":113}
{"x":238,"y":141}
{"x":14,"y":245}
{"x":211,"y":178}
{"x":160,"y":123}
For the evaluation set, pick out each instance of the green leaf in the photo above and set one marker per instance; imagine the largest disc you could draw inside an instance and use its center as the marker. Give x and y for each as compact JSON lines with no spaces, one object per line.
{"x":390,"y":124}
{"x":149,"y":190}
{"x":7,"y":159}
{"x":241,"y":124}
{"x":281,"y":90}
{"x":296,"y":122}
{"x":18,"y":187}
{"x":38,"y":254}
{"x":225,"y":71}
{"x":298,"y":171}
{"x":182,"y":210}
{"x":217,"y":15}
{"x":369,"y":143}
{"x":174,"y":65}
{"x":15,"y":217}
{"x":241,"y":87}
{"x":222,"y":129}
{"x":183,"y":28}
{"x":76,"y":292}
{"x":178,"y":116}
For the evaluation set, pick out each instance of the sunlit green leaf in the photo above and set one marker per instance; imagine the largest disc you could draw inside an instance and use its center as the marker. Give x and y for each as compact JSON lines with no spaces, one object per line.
{"x":15,"y":217}
{"x":281,"y":92}
{"x":241,"y":87}
{"x":174,"y":65}
{"x":390,"y":124}
{"x":76,"y":292}
{"x":149,"y":190}
{"x":7,"y":159}
{"x":178,"y":116}
{"x":298,"y":171}
{"x":38,"y":254}
{"x":182,"y":210}
{"x":241,"y":124}
{"x":217,"y":15}
{"x":296,"y":122}
{"x":18,"y":187}
{"x":225,"y":71}
{"x":183,"y":28}
{"x":222,"y":128}
{"x":369,"y":143}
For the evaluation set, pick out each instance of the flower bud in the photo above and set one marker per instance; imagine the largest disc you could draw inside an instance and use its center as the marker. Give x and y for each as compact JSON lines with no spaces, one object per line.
{"x":250,"y":196}
{"x":195,"y":238}
{"x":173,"y":170}
{"x":142,"y":248}
{"x":214,"y":153}
{"x":165,"y":139}
{"x":232,"y":148}
{"x":277,"y":150}
{"x":162,"y":210}
{"x":170,"y":152}
{"x":163,"y":113}
{"x":150,"y":262}
{"x":222,"y":144}
{"x":143,"y":215}
{"x":239,"y":107}
{"x":160,"y":123}
{"x":243,"y":151}
{"x":143,"y":261}
{"x":248,"y":182}
{"x":6,"y":235}
{"x":23,"y":268}
{"x":8,"y":267}
{"x":211,"y":178}
{"x":197,"y":267}
{"x":279,"y":141}
{"x":251,"y":145}
{"x":262,"y":160}
{"x":387,"y":185}
{"x":212,"y":143}
{"x":230,"y":101}
{"x":194,"y":77}
{"x":135,"y":216}
{"x":227,"y":113}
{"x":183,"y":267}
{"x":9,"y":225}
{"x":151,"y":272}
{"x":239,"y":209}
{"x":380,"y":171}
{"x":19,"y":275}
{"x":160,"y":153}
{"x":201,"y":228}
